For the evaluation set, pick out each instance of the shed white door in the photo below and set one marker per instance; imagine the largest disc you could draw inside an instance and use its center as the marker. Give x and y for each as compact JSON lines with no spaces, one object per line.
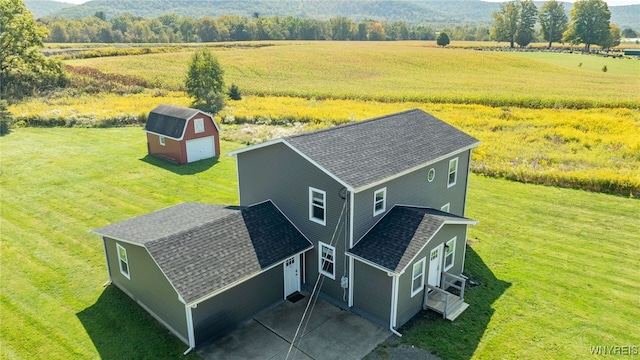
{"x":202,"y":148}
{"x":435,"y":266}
{"x":291,"y":276}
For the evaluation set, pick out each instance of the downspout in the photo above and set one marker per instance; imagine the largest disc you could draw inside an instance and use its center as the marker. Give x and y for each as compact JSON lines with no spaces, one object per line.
{"x":394,"y":304}
{"x":192,"y":339}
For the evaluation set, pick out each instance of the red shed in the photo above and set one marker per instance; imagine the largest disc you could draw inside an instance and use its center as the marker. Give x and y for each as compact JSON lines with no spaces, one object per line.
{"x":182,"y":134}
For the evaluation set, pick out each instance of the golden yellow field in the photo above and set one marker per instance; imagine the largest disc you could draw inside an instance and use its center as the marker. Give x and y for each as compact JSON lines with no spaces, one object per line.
{"x":550,"y":118}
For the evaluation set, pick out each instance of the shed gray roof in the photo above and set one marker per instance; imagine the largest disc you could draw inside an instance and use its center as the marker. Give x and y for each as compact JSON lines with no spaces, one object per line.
{"x":202,"y":249}
{"x":169,"y":120}
{"x":401,"y":234}
{"x":365,"y":153}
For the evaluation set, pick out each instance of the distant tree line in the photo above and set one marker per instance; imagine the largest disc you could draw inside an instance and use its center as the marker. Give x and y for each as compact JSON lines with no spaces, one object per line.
{"x":589,"y":24}
{"x":173,"y":28}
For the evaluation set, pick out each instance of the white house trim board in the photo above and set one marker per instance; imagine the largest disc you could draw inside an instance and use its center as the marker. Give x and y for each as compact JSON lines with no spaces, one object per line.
{"x":351,"y":264}
{"x":365,"y":261}
{"x":415,"y":168}
{"x":283,"y":141}
{"x":394,"y":301}
{"x":106,"y":256}
{"x":349,"y":187}
{"x":190,"y":331}
{"x":351,"y":216}
{"x":238,"y":282}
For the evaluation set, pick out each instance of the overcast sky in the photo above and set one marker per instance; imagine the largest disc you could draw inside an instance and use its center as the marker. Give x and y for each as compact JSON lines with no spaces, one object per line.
{"x":610,"y":2}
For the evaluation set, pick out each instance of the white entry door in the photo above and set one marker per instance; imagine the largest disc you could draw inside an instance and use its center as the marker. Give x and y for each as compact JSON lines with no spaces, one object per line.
{"x":291,"y":276}
{"x":435,"y":266}
{"x":202,"y":148}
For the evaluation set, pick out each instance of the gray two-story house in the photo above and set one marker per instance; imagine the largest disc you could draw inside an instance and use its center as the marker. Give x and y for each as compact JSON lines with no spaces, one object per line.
{"x":369,"y":215}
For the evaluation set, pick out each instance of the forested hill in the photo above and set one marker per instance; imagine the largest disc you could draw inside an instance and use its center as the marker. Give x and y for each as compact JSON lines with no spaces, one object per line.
{"x":412,"y":12}
{"x":43,"y":8}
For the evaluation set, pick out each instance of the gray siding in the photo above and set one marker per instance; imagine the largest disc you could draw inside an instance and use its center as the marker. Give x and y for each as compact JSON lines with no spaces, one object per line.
{"x":148,"y":286}
{"x":372,"y":293}
{"x":408,"y":306}
{"x":225,"y":311}
{"x":414,"y":189}
{"x":278,"y":173}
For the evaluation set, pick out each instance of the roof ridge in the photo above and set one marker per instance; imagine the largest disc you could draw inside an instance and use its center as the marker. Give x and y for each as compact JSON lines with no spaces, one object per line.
{"x":353,"y":123}
{"x":201,"y":225}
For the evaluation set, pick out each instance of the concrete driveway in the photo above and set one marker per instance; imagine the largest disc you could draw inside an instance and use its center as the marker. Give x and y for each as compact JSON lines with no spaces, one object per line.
{"x":330,"y":333}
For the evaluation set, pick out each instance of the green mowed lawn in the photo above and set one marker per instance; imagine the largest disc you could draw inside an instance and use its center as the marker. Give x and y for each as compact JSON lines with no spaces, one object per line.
{"x":558,"y":268}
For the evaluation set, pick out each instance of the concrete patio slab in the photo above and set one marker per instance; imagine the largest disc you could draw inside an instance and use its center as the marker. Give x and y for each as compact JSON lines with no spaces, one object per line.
{"x":249,"y":341}
{"x":343,"y":336}
{"x":331,"y":333}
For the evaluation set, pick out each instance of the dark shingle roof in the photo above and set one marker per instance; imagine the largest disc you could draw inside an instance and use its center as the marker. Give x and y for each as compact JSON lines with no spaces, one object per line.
{"x":401,"y":234}
{"x":169,"y":120}
{"x":367,"y":152}
{"x":204,"y":248}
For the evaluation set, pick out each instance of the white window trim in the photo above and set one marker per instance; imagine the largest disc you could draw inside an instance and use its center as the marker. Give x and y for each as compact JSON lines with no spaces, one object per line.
{"x":446,"y":207}
{"x":452,"y":247}
{"x":414,"y":292}
{"x":323,"y":207}
{"x":431,"y":171}
{"x":161,"y":140}
{"x":127,"y":273}
{"x":198,"y":124}
{"x":384,"y":201}
{"x":454,"y":172}
{"x":320,"y":269}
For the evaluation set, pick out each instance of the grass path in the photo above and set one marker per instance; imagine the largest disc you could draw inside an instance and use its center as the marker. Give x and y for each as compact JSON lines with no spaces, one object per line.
{"x":558,"y":267}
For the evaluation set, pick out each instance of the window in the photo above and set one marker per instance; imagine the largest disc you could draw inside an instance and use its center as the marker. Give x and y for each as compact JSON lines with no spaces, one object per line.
{"x":123,"y":261}
{"x":379,"y":201}
{"x":449,"y":254}
{"x":327,"y":260}
{"x":198,"y":125}
{"x":417,"y":283}
{"x":453,"y":172}
{"x":431,"y":175}
{"x":445,"y":207}
{"x":161,"y":139}
{"x":317,"y":206}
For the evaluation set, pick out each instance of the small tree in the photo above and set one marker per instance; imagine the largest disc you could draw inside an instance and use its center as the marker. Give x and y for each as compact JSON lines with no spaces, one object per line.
{"x":234,"y":93}
{"x":204,"y":82}
{"x":6,"y":119}
{"x":443,"y":39}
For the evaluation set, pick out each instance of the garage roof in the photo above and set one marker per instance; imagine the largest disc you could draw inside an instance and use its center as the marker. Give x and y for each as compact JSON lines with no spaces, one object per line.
{"x":205,"y":249}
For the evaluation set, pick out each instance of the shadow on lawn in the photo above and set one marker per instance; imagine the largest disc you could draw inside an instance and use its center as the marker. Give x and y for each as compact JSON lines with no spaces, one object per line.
{"x":460,"y":338}
{"x":121,"y":329}
{"x":181,"y":169}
